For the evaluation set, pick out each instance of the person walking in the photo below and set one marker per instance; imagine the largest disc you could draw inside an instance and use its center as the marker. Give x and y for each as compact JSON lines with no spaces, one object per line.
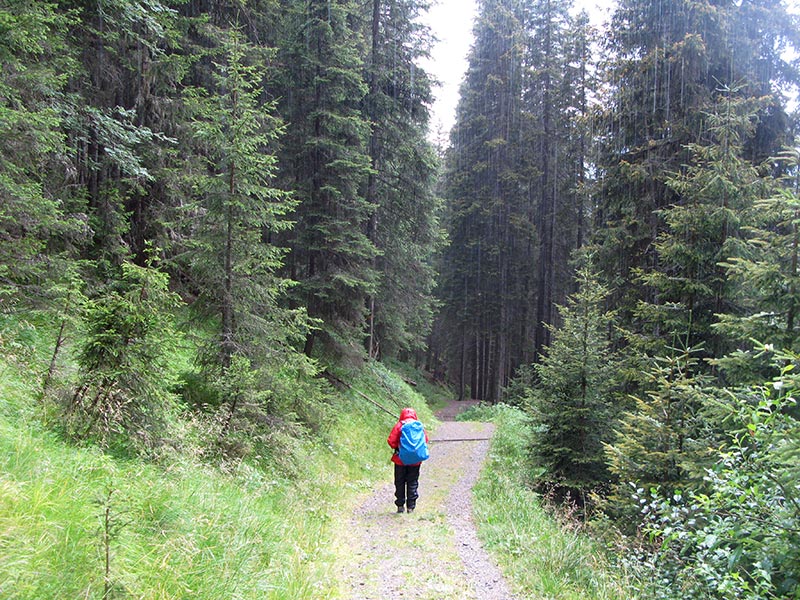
{"x":409,"y":440}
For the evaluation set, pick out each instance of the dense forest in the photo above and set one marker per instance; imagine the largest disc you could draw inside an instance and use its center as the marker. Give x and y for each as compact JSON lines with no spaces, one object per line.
{"x":622,"y":211}
{"x":609,"y":241}
{"x":259,"y":168}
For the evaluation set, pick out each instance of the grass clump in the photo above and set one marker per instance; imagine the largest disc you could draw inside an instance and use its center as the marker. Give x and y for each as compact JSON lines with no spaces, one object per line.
{"x":435,"y":392}
{"x":542,"y":556}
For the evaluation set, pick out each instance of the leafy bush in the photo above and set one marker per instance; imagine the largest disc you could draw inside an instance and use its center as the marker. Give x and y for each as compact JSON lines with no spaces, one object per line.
{"x":739,"y":536}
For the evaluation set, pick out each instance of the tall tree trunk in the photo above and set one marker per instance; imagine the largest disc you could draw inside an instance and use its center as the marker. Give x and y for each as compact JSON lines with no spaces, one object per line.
{"x":227,"y":298}
{"x":462,"y":372}
{"x":546,"y":208}
{"x":374,"y":153}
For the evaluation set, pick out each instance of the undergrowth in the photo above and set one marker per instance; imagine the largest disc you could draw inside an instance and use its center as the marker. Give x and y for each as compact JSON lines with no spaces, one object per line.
{"x":543,"y":556}
{"x":80,"y":521}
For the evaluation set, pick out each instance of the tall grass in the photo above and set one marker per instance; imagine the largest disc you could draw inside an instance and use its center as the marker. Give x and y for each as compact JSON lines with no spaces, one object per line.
{"x":436,"y":394}
{"x":543,"y":558}
{"x":187,"y":532}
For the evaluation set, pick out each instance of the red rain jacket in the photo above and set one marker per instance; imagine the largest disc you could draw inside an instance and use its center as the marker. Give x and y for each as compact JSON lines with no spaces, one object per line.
{"x":407,"y":414}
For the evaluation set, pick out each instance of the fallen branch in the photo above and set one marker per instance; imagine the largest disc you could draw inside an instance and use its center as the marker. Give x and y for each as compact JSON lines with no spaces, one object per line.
{"x":332,"y":377}
{"x":480,"y":439}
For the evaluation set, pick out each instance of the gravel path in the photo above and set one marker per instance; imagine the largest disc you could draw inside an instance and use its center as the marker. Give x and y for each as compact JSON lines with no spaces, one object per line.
{"x":433,"y":553}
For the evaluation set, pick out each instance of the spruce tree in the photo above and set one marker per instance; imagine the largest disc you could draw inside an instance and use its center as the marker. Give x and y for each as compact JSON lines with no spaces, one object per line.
{"x":326,"y":163}
{"x":764,"y":271}
{"x":552,"y":99}
{"x":675,"y":66}
{"x":123,"y":391}
{"x":717,"y":190}
{"x":659,"y":82}
{"x":41,"y":224}
{"x":659,"y":441}
{"x":404,"y":226}
{"x":233,"y":264}
{"x":515,"y":181}
{"x":116,"y":141}
{"x":574,"y":404}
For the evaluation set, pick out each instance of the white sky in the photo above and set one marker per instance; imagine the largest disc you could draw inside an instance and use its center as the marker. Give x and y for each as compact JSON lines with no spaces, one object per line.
{"x":451,"y":23}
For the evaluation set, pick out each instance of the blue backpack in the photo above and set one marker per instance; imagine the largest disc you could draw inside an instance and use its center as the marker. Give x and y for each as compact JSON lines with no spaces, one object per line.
{"x":413,"y":447}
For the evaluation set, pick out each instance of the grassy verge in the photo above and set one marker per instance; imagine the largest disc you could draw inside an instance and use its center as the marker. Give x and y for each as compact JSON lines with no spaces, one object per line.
{"x":540,"y":556}
{"x":77,"y":522}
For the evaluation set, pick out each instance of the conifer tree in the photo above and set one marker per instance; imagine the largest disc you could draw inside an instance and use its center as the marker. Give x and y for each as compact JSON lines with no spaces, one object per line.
{"x":671,"y":63}
{"x":764,"y":271}
{"x":551,"y":99}
{"x":660,"y":82}
{"x":573,"y":404}
{"x":658,"y":442}
{"x":717,"y":192}
{"x":233,"y":263}
{"x":114,"y":137}
{"x":404,"y":226}
{"x":123,"y":390}
{"x":514,"y":178}
{"x":41,"y":230}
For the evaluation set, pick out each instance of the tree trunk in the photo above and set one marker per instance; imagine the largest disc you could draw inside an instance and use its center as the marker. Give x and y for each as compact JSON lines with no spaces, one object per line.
{"x":374,"y":153}
{"x":227,"y":297}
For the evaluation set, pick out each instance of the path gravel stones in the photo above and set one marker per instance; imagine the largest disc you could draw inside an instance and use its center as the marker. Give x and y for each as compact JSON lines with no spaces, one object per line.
{"x":434,"y":553}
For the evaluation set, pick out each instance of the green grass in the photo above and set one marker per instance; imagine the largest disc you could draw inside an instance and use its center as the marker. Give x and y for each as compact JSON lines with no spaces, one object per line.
{"x":543,"y":558}
{"x":179,"y":527}
{"x":187,"y":531}
{"x":436,"y":394}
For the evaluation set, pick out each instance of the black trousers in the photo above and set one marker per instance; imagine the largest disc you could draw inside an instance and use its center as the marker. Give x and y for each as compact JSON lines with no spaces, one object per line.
{"x":406,"y":482}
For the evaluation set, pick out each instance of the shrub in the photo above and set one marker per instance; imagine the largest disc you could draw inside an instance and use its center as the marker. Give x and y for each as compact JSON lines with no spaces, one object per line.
{"x":739,"y":536}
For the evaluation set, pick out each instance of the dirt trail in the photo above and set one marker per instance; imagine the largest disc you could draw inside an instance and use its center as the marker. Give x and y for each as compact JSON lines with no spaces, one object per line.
{"x":433,"y":553}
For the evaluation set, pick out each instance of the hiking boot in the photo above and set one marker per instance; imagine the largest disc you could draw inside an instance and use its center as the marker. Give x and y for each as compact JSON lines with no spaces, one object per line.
{"x":410,"y":510}
{"x":401,"y":509}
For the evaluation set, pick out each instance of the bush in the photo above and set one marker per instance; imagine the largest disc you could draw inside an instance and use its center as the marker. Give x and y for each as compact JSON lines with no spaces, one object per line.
{"x":124,"y":387}
{"x":738,"y":537}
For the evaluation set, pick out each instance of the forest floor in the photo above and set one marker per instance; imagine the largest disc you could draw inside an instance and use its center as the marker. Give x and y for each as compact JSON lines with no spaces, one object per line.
{"x":433,"y":553}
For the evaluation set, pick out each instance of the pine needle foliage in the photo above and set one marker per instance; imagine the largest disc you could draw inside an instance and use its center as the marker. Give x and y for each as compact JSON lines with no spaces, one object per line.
{"x":574,"y":403}
{"x":765,"y":273}
{"x":122,"y":393}
{"x":230,"y":257}
{"x":657,"y":443}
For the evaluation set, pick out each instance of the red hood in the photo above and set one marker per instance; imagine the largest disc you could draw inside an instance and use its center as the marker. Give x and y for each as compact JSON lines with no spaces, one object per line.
{"x":408,"y":413}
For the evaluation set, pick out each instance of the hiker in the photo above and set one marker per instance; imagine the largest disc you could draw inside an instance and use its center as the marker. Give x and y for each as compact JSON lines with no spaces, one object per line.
{"x":409,"y":439}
